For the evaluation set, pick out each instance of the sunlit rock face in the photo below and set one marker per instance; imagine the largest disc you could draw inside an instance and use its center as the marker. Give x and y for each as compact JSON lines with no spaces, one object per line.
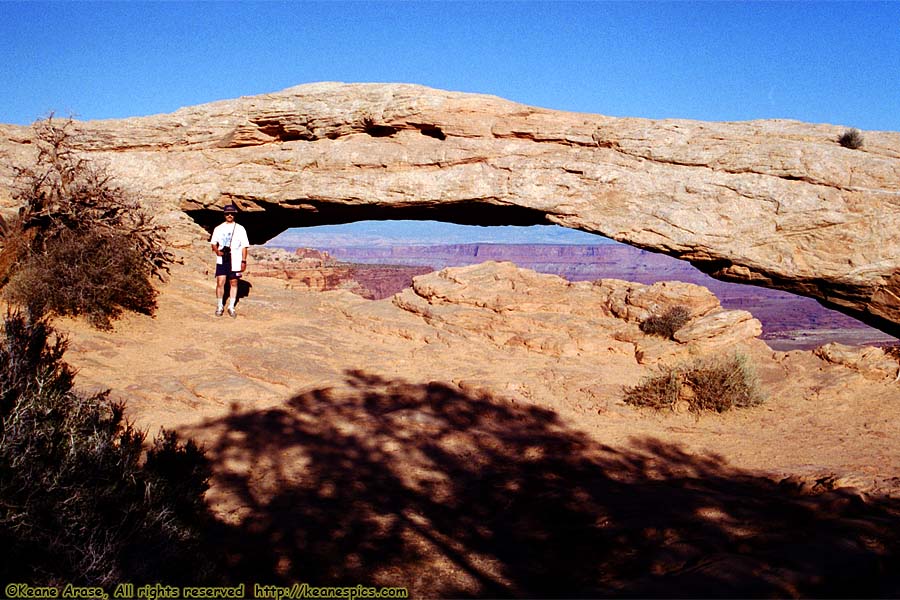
{"x":773,"y":203}
{"x":309,"y":269}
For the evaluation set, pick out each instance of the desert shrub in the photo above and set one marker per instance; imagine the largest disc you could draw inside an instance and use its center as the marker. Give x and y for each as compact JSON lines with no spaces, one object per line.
{"x":667,"y":323}
{"x":77,"y":503}
{"x":722,"y":384}
{"x":92,"y":274}
{"x":67,"y":204}
{"x":661,"y":391}
{"x":851,"y":138}
{"x":713,"y":385}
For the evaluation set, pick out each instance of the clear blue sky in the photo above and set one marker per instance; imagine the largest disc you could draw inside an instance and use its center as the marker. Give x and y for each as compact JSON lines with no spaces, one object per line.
{"x":826,"y":62}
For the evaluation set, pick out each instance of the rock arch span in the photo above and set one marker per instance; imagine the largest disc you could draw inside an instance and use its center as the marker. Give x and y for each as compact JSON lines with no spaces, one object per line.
{"x":773,"y":203}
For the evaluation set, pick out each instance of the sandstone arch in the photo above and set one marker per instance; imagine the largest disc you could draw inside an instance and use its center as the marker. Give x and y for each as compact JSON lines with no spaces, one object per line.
{"x":773,"y":203}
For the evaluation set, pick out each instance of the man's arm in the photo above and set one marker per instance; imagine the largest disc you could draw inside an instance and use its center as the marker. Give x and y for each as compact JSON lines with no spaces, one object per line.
{"x":215,"y":242}
{"x":245,"y":246}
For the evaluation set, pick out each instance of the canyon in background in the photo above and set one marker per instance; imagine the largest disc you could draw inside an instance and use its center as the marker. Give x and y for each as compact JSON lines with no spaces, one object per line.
{"x":381,"y":269}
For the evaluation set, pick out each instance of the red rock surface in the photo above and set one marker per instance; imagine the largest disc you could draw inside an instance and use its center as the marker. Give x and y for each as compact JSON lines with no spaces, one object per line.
{"x":789,"y":321}
{"x":314,"y":270}
{"x":468,"y":438}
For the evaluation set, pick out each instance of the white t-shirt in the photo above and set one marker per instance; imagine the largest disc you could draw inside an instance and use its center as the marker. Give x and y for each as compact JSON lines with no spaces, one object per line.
{"x":234,"y":235}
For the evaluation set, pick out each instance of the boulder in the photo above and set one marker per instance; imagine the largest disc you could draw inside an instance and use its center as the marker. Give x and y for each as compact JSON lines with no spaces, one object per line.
{"x":720,"y":327}
{"x":871,"y":362}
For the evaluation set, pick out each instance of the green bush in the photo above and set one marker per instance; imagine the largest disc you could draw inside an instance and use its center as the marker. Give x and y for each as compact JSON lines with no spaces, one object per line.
{"x":80,"y":244}
{"x":711,"y":385}
{"x":77,"y":503}
{"x":852,"y":139}
{"x":666,"y":324}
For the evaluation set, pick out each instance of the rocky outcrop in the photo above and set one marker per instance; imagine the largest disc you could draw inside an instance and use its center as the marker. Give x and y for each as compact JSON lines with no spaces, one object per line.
{"x":310,"y":269}
{"x":498,"y":334}
{"x":515,"y":307}
{"x":773,"y":203}
{"x":789,"y":322}
{"x":499,"y":391}
{"x":872,"y":363}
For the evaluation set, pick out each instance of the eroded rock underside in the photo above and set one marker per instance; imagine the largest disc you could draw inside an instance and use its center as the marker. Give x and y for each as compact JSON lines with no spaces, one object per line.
{"x":772,"y":203}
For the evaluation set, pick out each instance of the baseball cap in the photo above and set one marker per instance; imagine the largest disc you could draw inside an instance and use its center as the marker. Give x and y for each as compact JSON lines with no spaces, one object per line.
{"x":230,"y":208}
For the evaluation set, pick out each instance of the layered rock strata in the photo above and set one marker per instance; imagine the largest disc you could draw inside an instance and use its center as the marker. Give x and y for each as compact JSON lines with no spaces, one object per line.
{"x":773,"y":203}
{"x":524,"y":309}
{"x":310,"y":269}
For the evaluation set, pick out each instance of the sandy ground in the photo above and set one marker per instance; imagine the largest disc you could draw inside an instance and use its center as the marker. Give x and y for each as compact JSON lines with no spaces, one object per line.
{"x":355,"y":443}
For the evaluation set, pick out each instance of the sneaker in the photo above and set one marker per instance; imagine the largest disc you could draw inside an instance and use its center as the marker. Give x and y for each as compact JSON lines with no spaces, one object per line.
{"x":219,"y":312}
{"x":231,"y":313}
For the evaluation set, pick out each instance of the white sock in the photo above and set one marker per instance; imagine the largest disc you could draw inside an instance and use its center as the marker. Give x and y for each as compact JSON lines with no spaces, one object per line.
{"x":221,"y":305}
{"x":231,"y":303}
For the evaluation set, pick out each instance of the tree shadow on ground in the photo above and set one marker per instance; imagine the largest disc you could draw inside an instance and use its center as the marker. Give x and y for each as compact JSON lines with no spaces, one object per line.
{"x":452,"y":495}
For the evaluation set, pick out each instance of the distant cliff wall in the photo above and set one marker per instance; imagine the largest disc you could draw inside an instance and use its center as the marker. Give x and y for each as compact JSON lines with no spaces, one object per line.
{"x":789,"y":321}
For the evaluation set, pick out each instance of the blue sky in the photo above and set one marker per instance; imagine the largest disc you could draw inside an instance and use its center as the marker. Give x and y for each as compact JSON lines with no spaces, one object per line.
{"x":825,"y":62}
{"x":813,"y":61}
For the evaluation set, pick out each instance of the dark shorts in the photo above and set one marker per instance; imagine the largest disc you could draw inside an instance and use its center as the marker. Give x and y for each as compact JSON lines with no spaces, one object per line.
{"x":223,"y":270}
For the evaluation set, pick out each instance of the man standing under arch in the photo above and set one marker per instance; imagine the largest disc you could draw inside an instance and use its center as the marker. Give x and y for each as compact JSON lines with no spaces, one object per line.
{"x":229,"y":244}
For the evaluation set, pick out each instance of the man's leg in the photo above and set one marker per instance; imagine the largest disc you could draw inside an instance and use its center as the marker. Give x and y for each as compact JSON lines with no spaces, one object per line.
{"x":220,"y":292}
{"x":232,"y":297}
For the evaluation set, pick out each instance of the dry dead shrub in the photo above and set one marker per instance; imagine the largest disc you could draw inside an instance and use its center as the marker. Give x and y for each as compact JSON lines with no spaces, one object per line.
{"x":95,"y":274}
{"x":852,"y":139}
{"x":71,"y":208}
{"x":718,"y":384}
{"x":667,"y":323}
{"x":661,"y":391}
{"x":722,"y":384}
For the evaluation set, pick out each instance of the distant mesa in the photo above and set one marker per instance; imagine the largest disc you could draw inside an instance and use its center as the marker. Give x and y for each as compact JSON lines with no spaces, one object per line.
{"x":789,"y":322}
{"x":775,"y":203}
{"x":309,"y":269}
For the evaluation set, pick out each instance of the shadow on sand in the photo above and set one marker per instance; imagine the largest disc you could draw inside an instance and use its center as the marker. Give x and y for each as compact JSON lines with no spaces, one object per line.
{"x":243,"y":290}
{"x":451,"y":495}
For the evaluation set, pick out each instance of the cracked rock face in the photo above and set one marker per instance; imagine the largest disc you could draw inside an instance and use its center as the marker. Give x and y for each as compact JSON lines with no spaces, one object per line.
{"x":772,"y":203}
{"x":546,"y":314}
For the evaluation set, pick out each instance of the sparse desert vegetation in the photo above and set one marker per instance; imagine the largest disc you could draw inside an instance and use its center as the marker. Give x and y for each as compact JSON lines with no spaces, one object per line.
{"x":666,"y":323}
{"x":80,"y":245}
{"x":852,"y":138}
{"x":92,"y":274}
{"x":80,"y":499}
{"x":714,"y":384}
